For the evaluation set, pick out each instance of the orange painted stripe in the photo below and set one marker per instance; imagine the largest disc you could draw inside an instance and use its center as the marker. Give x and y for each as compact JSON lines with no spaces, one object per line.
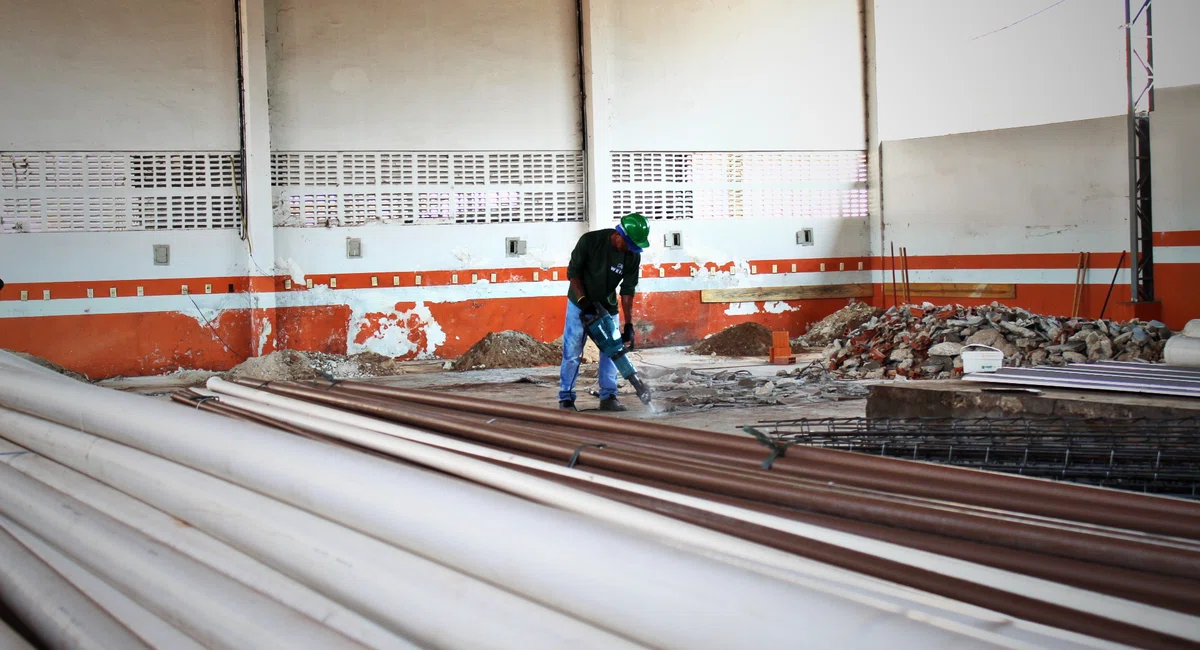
{"x":1013,"y":261}
{"x":1177,"y":238}
{"x":441,"y":277}
{"x":125,"y":288}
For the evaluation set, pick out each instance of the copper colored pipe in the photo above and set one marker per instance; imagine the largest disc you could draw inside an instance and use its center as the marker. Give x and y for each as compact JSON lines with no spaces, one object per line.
{"x":1005,"y":602}
{"x":1060,"y":500}
{"x":895,"y":296}
{"x":763,"y":486}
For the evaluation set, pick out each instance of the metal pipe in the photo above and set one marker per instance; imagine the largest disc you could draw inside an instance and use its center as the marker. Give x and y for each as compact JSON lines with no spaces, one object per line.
{"x":1151,"y":618}
{"x":188,"y":539}
{"x":53,"y":608}
{"x":771,"y":488}
{"x":156,"y":632}
{"x":496,"y":537}
{"x":350,"y":567}
{"x":453,"y":422}
{"x":1034,"y":496}
{"x":218,"y":613}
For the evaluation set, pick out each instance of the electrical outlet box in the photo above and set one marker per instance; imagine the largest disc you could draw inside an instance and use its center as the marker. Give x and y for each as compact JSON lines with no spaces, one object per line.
{"x":162,"y":255}
{"x":374,"y":281}
{"x":287,"y":284}
{"x":454,"y":278}
{"x":332,"y":283}
{"x":185,"y":290}
{"x":673,"y":240}
{"x":395,"y":280}
{"x":91,"y":293}
{"x":353,"y":248}
{"x":308,"y":283}
{"x":24,"y":295}
{"x":493,"y":277}
{"x":514,"y":247}
{"x":555,"y":276}
{"x":141,"y":291}
{"x":805,"y":237}
{"x":418,"y":280}
{"x":208,"y":288}
{"x":45,"y":294}
{"x":474,"y":278}
{"x":536,"y":275}
{"x":112,"y":292}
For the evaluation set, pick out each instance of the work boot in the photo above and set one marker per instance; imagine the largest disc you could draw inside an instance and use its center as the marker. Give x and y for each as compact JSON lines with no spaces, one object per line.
{"x":567,"y":405}
{"x":611,"y":404}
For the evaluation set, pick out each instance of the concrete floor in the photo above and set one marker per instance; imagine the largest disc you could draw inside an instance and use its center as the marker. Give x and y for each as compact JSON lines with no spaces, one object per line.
{"x":539,"y":387}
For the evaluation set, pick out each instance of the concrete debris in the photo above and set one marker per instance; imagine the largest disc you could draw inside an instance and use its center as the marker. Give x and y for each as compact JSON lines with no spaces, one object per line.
{"x":927,"y":342}
{"x":685,"y":389}
{"x":294,"y":365}
{"x":745,"y":340}
{"x":836,"y":325}
{"x":509,"y":349}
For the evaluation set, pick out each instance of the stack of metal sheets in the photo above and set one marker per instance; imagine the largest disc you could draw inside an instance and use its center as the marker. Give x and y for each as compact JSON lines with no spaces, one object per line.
{"x":1110,"y":376}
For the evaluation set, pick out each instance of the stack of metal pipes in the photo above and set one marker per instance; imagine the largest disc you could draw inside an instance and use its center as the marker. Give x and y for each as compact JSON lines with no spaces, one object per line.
{"x":349,"y":515}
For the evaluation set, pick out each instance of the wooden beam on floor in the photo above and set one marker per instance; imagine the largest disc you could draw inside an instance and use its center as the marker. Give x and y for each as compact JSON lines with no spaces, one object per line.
{"x":958,"y":290}
{"x":759,"y":294}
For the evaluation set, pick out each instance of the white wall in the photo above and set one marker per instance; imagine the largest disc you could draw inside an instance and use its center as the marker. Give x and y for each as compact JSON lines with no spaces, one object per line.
{"x":423,"y":74}
{"x":118,"y":75}
{"x":938,"y":73}
{"x":1176,"y":43}
{"x":738,"y":75}
{"x":1047,"y":189}
{"x":73,"y":257}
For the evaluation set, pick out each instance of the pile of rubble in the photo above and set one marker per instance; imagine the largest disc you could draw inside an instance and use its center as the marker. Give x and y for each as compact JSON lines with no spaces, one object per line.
{"x":509,"y":349}
{"x":295,"y":365}
{"x":684,"y":388}
{"x":835,"y":325}
{"x":926,"y":342}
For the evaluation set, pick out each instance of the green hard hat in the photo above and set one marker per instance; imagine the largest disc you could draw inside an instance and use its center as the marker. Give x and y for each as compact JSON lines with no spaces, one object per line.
{"x":636,"y":229}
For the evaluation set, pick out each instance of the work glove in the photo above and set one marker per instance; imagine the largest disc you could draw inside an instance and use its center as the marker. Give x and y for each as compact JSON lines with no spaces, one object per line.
{"x":627,"y":336}
{"x":592,"y":310}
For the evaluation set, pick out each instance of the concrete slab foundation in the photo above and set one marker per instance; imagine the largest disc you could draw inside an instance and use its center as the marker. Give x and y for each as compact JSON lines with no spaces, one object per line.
{"x":965,"y":400}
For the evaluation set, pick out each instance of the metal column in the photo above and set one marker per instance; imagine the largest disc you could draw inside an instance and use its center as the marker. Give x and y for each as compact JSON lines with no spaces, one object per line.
{"x":1140,"y":105}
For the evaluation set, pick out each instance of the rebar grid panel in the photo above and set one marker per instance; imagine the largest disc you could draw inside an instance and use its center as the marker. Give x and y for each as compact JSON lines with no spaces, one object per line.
{"x":1154,"y":456}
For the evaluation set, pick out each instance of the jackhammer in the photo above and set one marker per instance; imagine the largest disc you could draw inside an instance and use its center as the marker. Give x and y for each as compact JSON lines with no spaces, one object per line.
{"x":602,"y":329}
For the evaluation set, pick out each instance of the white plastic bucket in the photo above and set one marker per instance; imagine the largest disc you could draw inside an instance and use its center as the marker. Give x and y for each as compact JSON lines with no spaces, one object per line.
{"x":981,"y":358}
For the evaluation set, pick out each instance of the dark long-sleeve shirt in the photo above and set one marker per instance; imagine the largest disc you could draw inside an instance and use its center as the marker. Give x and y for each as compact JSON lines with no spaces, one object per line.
{"x":603,"y":268}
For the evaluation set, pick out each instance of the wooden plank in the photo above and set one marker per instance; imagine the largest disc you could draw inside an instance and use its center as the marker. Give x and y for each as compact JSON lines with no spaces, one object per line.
{"x":815,"y":292}
{"x":958,"y":290}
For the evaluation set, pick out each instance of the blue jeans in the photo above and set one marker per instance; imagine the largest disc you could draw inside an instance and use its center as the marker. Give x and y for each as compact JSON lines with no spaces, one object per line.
{"x":573,"y":340}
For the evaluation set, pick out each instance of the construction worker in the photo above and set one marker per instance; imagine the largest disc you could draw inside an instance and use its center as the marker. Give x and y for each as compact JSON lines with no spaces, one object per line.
{"x":601,"y":261}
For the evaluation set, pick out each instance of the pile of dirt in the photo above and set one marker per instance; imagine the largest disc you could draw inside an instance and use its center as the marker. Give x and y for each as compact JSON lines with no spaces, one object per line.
{"x":509,"y":349}
{"x":591,"y":353}
{"x":50,"y":365}
{"x":745,"y":340}
{"x":294,"y":365}
{"x":836,"y":325}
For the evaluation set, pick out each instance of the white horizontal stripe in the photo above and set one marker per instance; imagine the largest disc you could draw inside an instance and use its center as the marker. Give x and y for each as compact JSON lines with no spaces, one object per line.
{"x":1006,"y":276}
{"x":1177,"y":254}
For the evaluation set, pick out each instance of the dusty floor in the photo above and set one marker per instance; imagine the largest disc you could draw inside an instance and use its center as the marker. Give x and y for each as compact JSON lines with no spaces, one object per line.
{"x":539,"y":387}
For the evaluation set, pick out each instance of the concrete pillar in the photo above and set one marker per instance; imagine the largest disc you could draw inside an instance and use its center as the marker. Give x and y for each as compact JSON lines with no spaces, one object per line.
{"x":256,"y":142}
{"x":598,"y":17}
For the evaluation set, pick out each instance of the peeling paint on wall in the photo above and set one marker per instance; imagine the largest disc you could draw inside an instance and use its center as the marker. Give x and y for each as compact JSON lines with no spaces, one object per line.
{"x":408,"y":334}
{"x":742,"y":309}
{"x":778,"y":307}
{"x":264,"y":336}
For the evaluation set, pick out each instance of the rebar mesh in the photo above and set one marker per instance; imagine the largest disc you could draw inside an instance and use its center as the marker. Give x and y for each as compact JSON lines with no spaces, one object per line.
{"x":1154,"y":456}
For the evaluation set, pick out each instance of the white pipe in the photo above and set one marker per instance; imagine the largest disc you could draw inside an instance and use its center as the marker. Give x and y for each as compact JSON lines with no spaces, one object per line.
{"x":1182,"y":351}
{"x":10,"y":640}
{"x":298,"y":411}
{"x":618,"y":580}
{"x":52,"y":608}
{"x":205,"y":605}
{"x":408,"y":593}
{"x":148,"y":627}
{"x":11,"y":360}
{"x":186,"y":539}
{"x":349,"y":427}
